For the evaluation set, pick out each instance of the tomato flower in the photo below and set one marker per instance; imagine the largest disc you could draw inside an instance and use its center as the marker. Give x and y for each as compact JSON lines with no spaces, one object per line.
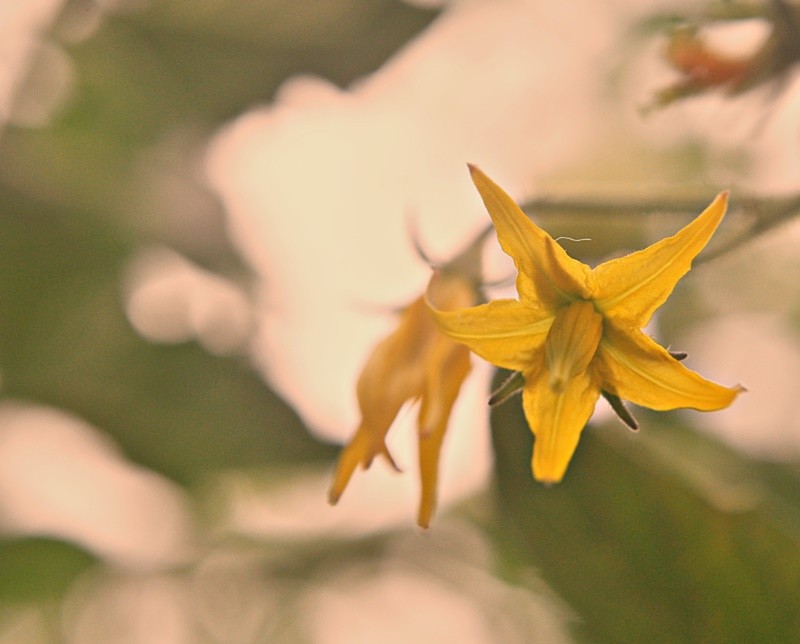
{"x":575,"y":332}
{"x":416,"y":362}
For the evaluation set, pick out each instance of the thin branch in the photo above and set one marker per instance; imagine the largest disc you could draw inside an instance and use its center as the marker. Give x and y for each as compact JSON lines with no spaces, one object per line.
{"x":627,"y":207}
{"x":763,"y":214}
{"x":764,"y":217}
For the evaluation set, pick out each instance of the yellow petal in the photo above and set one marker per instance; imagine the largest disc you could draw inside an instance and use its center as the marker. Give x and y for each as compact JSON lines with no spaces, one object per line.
{"x":572,"y":342}
{"x":448,"y":290}
{"x":349,"y":459}
{"x":448,"y":366}
{"x":361,"y":450}
{"x":395,"y":370}
{"x":504,"y":332}
{"x":634,"y":367}
{"x":632,"y":287}
{"x":557,"y":419}
{"x":547,"y":276}
{"x":393,"y":374}
{"x":447,"y":369}
{"x":440,"y":381}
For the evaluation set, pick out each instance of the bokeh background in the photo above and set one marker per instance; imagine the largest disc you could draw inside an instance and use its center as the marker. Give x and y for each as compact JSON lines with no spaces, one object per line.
{"x":204,"y":226}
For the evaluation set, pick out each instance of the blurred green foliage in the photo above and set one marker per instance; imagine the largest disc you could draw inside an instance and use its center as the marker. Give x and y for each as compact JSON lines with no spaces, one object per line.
{"x":662,"y":535}
{"x":38,"y":569}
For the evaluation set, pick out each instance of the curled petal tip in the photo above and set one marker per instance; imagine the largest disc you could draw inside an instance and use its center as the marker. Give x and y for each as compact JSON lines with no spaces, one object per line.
{"x":427,"y":508}
{"x":390,"y":459}
{"x":475,"y":172}
{"x":548,"y":479}
{"x":722,"y":198}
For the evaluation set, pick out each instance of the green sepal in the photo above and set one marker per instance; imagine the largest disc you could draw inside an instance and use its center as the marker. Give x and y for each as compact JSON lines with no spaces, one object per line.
{"x":621,"y":410}
{"x":511,"y":386}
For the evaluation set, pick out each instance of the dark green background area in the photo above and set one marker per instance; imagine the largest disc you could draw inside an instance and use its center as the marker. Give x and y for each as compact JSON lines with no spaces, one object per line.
{"x":662,"y":535}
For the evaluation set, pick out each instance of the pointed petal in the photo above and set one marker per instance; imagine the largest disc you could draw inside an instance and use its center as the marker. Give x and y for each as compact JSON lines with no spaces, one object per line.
{"x":557,"y":419}
{"x":393,"y":374}
{"x":547,"y":276}
{"x":504,"y":332}
{"x":349,"y":459}
{"x":361,"y":450}
{"x":395,"y":370}
{"x":632,"y":287}
{"x":447,"y":370}
{"x":634,"y":367}
{"x":448,"y":366}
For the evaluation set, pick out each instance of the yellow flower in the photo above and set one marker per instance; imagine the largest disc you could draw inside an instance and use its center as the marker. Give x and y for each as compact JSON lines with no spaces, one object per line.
{"x":415,"y":362}
{"x":575,"y":332}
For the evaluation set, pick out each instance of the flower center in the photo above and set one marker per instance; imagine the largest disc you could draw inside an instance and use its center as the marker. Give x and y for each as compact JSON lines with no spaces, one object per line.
{"x":572,"y":342}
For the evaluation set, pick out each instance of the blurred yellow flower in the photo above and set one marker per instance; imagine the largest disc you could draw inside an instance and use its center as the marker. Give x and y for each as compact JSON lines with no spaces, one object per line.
{"x":575,"y":332}
{"x":416,"y":362}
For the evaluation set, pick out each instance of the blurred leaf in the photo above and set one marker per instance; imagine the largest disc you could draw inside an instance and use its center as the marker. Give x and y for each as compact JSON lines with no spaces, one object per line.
{"x":339,"y":40}
{"x":664,"y":535}
{"x":37,"y":569}
{"x":174,"y":64}
{"x":64,"y":341}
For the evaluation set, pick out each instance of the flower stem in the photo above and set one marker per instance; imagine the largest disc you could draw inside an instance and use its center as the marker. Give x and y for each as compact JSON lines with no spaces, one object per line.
{"x":760,"y":214}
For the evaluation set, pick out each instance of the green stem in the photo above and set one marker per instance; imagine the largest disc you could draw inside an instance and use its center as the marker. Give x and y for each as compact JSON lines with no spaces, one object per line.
{"x":763,"y":214}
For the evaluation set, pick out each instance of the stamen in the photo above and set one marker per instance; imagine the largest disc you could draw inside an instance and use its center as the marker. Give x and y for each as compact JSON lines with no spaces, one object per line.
{"x":572,"y":342}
